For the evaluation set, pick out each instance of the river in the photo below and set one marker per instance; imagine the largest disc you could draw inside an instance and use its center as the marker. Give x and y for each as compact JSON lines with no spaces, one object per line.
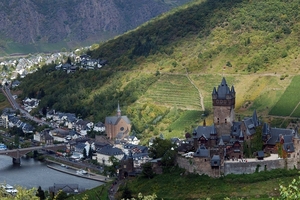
{"x":32,"y":173}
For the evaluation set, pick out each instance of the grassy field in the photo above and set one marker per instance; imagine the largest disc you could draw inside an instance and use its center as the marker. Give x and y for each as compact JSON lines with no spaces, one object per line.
{"x":174,"y":185}
{"x":288,"y":101}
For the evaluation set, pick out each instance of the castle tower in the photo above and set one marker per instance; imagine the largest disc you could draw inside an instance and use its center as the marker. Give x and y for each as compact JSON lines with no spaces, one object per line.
{"x":223,"y":107}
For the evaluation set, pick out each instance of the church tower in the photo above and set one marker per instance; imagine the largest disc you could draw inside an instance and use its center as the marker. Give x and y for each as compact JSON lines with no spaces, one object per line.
{"x":223,"y":100}
{"x":118,"y":111}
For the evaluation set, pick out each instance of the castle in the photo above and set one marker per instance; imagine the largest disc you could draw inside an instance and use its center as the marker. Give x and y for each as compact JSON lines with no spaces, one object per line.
{"x":227,"y":139}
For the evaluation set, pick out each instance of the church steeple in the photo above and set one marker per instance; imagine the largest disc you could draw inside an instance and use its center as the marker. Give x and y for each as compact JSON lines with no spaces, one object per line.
{"x":119,"y":110}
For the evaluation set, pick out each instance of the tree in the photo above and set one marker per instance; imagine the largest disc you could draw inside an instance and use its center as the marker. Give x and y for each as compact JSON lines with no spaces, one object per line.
{"x":112,"y":170}
{"x":17,"y":140}
{"x":84,"y":153}
{"x":22,"y":194}
{"x":147,"y":170}
{"x":291,"y":191}
{"x":168,"y":158}
{"x":160,"y":147}
{"x":146,"y":197}
{"x":126,"y":194}
{"x":164,"y":149}
{"x":61,"y":195}
{"x":90,"y":152}
{"x":40,"y":193}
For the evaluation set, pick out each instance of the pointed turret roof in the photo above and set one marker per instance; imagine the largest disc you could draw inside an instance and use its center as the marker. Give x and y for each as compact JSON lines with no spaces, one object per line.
{"x":296,"y":133}
{"x":255,"y":119}
{"x":232,"y":89}
{"x":214,"y":91}
{"x":241,"y":134}
{"x":221,"y":142}
{"x":265,"y":129}
{"x":223,"y":81}
{"x":223,"y":89}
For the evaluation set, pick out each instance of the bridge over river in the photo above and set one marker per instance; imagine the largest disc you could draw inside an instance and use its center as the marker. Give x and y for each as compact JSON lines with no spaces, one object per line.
{"x":16,"y":154}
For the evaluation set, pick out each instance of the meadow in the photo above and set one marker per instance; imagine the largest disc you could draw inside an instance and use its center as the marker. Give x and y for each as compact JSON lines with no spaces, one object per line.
{"x":288,"y":101}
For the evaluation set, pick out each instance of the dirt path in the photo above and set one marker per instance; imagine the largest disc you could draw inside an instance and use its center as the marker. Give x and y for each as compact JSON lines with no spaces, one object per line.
{"x":200,"y":94}
{"x":290,"y":116}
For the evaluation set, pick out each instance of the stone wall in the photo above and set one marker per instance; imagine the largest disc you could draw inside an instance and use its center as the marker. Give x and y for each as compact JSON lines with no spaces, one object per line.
{"x":203,"y":166}
{"x":251,"y":167}
{"x":198,"y":166}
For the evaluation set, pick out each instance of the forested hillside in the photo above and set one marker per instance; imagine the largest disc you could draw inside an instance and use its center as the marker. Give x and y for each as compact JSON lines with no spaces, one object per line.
{"x":38,"y":26}
{"x":163,"y":72}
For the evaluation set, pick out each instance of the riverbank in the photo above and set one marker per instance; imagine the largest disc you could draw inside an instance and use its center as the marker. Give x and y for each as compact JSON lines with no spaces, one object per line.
{"x":33,"y":174}
{"x":89,"y":175}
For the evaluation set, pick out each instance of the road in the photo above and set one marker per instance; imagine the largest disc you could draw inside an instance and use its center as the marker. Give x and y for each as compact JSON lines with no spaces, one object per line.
{"x":15,"y":105}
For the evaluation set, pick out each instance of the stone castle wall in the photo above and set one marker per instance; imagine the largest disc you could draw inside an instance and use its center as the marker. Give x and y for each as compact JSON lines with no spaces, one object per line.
{"x":203,"y":166}
{"x":260,"y":165}
{"x":198,"y":166}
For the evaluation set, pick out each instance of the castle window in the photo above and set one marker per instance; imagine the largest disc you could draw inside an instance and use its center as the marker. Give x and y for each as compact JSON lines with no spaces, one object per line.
{"x":225,"y":121}
{"x":218,"y":120}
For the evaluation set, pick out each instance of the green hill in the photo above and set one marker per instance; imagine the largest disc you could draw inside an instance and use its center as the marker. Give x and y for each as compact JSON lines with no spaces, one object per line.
{"x":166,"y":69}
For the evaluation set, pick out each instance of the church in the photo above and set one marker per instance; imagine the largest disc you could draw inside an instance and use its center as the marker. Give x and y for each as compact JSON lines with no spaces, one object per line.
{"x":117,"y":126}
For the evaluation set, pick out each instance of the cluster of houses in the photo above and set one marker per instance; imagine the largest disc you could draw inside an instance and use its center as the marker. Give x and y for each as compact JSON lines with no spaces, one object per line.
{"x":67,"y":128}
{"x":82,"y":62}
{"x":10,"y":119}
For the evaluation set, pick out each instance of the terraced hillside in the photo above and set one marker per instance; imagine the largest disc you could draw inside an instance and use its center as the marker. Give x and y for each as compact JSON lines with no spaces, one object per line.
{"x":175,"y":91}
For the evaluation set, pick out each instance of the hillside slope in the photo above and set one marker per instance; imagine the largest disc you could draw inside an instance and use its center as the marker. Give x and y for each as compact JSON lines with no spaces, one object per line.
{"x":37,"y":25}
{"x":254,"y":44}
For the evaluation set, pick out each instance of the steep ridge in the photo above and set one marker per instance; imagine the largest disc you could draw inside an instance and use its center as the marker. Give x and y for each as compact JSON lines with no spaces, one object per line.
{"x":36,"y":22}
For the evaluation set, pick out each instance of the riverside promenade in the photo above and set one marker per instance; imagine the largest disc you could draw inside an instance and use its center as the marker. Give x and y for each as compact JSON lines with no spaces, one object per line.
{"x":72,"y":171}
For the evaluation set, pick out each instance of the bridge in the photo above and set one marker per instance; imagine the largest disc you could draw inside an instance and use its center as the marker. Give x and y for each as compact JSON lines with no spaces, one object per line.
{"x":16,"y":154}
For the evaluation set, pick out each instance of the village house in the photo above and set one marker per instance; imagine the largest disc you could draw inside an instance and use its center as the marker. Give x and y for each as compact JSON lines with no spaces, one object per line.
{"x":67,"y":188}
{"x":30,"y":104}
{"x":59,"y":135}
{"x":99,"y":127}
{"x":104,"y":154}
{"x":43,"y":137}
{"x":83,"y":126}
{"x":138,"y":153}
{"x":131,"y":139}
